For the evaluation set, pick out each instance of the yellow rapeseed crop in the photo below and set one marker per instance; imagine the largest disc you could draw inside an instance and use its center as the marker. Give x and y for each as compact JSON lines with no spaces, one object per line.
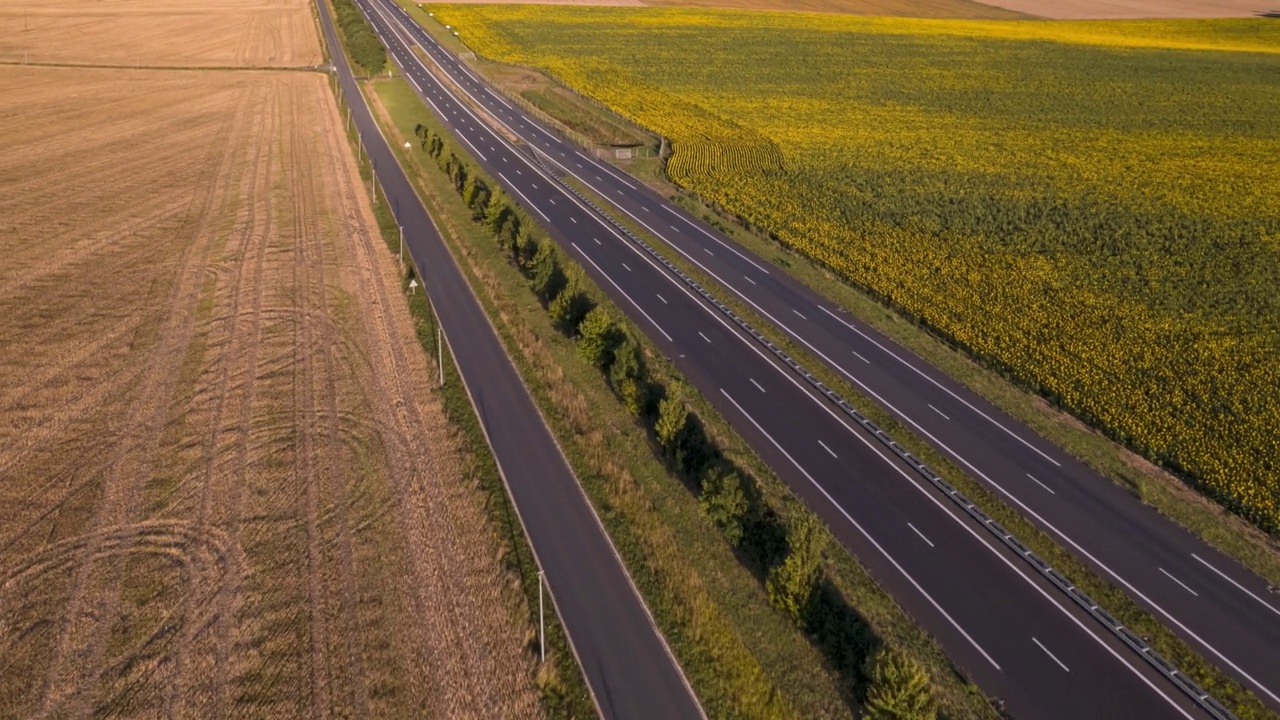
{"x":1094,"y":206}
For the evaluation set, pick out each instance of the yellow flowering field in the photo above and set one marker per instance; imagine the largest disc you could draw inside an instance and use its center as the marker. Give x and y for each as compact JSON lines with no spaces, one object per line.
{"x":1094,"y":206}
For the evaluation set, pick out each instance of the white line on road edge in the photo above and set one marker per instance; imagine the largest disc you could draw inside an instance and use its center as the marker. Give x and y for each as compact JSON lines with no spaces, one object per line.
{"x":1046,"y":652}
{"x":517,"y":191}
{"x":624,"y":292}
{"x":1242,"y":588}
{"x":602,"y":167}
{"x":1046,"y":487}
{"x":761,"y":389}
{"x":1184,"y":585}
{"x":728,"y":247}
{"x":922,"y":537}
{"x":944,"y":415}
{"x":864,"y":533}
{"x":942,"y":387}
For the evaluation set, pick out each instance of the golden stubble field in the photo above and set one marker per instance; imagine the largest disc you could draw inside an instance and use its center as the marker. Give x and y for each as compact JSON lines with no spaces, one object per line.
{"x":227,"y":487}
{"x":202,"y":33}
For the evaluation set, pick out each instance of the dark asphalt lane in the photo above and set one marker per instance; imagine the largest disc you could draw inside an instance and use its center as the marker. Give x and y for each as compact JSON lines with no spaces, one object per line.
{"x":1223,"y":610}
{"x":628,"y":667}
{"x":998,"y":621}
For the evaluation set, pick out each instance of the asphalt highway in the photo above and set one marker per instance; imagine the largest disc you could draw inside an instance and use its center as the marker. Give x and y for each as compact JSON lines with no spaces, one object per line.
{"x":628,"y":667}
{"x":1010,"y":630}
{"x":1223,"y":610}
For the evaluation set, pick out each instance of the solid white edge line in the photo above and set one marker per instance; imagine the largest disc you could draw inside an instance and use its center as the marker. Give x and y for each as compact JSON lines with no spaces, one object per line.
{"x":1046,"y":652}
{"x":517,"y":191}
{"x":624,"y":292}
{"x":606,"y":169}
{"x":727,"y":246}
{"x":864,"y":533}
{"x":922,"y":537}
{"x":1039,"y":518}
{"x":915,"y":482}
{"x":1184,"y":585}
{"x":1242,"y":588}
{"x":944,"y":388}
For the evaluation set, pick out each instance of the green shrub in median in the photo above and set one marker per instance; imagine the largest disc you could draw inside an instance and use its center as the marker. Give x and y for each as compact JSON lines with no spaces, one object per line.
{"x":365,"y":47}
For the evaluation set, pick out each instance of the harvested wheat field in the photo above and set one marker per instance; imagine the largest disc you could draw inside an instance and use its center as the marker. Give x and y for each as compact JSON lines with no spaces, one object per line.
{"x":226,"y":486}
{"x":194,"y":33}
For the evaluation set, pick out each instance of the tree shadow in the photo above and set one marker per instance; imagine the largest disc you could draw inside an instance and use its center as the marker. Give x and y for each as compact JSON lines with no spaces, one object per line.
{"x":1272,"y":14}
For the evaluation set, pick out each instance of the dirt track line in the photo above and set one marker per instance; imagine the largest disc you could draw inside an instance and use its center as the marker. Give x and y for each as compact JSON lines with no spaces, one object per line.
{"x":256,"y":235}
{"x":80,"y":635}
{"x":306,"y":413}
{"x":313,"y":243}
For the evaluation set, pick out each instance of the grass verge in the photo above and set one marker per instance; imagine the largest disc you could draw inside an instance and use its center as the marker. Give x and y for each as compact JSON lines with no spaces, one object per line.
{"x":744,"y":658}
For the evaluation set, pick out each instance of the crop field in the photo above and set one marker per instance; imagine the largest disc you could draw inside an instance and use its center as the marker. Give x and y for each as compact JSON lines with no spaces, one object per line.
{"x":227,"y":486}
{"x":1089,"y":205}
{"x":200,"y":33}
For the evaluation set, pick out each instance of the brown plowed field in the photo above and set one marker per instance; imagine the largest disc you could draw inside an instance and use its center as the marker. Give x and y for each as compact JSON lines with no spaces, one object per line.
{"x":227,"y":487}
{"x":196,"y":33}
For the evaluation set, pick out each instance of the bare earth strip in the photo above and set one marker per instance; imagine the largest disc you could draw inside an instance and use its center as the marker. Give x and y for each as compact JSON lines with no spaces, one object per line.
{"x":228,"y":488}
{"x":890,"y":8}
{"x":1135,"y":9}
{"x":171,"y":33}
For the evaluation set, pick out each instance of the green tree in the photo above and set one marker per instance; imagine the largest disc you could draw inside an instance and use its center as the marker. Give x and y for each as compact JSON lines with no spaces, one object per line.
{"x":791,"y":585}
{"x":569,"y":306}
{"x":545,"y":276}
{"x":724,"y":503}
{"x":598,"y":336}
{"x":497,"y":215}
{"x":628,"y":377}
{"x":673,"y":418}
{"x":899,"y":689}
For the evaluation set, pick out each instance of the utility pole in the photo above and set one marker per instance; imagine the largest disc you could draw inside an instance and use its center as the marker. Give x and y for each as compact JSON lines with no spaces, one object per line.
{"x":542,"y":628}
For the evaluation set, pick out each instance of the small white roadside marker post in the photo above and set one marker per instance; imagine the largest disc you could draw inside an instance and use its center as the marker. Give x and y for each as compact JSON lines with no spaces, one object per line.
{"x":542,"y":628}
{"x":440,"y":352}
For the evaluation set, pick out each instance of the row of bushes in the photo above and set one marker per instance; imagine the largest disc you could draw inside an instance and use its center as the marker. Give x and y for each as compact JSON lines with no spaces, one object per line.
{"x":365,"y":47}
{"x":788,"y":557}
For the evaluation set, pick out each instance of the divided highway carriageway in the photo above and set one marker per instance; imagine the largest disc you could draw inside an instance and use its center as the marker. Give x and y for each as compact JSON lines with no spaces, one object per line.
{"x":1012,"y":626}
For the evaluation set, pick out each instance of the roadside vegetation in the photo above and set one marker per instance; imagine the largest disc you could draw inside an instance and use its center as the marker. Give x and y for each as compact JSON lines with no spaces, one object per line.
{"x":1145,"y":307}
{"x":362,"y":44}
{"x":736,"y":571}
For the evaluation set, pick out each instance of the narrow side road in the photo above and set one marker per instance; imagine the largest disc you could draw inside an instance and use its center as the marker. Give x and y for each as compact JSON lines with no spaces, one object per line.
{"x":628,"y":667}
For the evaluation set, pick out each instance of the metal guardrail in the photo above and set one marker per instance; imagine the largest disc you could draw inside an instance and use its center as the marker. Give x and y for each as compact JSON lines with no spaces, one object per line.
{"x":1127,"y":636}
